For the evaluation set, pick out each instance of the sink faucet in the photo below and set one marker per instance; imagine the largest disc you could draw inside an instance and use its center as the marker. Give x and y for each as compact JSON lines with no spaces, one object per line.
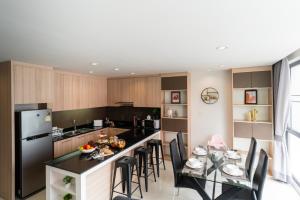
{"x":74,"y":124}
{"x":109,"y":123}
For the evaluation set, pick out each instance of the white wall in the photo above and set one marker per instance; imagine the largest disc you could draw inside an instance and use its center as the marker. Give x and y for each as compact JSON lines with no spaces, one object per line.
{"x":208,"y":120}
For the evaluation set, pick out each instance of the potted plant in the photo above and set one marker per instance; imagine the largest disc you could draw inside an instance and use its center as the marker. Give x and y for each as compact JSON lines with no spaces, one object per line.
{"x":67,"y":181}
{"x":68,"y":196}
{"x":155,"y":113}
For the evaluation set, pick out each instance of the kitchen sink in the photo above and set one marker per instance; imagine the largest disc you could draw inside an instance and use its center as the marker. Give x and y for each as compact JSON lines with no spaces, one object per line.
{"x":77,"y":132}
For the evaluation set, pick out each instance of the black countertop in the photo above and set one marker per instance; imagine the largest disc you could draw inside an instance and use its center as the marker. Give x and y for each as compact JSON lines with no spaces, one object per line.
{"x":90,"y":128}
{"x":77,"y":163}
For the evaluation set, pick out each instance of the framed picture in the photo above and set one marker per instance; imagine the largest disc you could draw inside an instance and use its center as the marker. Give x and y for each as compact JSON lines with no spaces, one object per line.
{"x":250,"y":96}
{"x":175,"y":97}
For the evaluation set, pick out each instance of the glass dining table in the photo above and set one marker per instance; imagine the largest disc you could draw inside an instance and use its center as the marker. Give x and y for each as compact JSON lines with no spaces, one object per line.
{"x":212,"y":170}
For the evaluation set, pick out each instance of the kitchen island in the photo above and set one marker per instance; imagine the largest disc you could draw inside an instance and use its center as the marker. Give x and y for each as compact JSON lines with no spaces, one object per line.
{"x":91,"y":179}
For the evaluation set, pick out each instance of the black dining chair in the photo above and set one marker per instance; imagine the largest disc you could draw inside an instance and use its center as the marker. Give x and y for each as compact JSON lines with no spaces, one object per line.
{"x":181,"y":148}
{"x":250,"y":158}
{"x":182,"y":181}
{"x":255,"y":192}
{"x":122,"y":198}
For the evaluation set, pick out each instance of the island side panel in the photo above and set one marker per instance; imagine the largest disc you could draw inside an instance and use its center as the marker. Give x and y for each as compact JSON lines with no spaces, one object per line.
{"x":100,"y":181}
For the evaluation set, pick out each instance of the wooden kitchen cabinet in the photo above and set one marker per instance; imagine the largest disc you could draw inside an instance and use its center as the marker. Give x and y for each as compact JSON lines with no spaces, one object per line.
{"x":18,"y":84}
{"x":83,"y":92}
{"x":92,"y":92}
{"x":127,"y":89}
{"x":32,"y":83}
{"x":44,"y":85}
{"x":78,"y":91}
{"x":65,"y":90}
{"x":58,"y":99}
{"x":63,"y":147}
{"x":139,"y":97}
{"x":68,"y":92}
{"x":142,"y":91}
{"x":113,"y":92}
{"x":101,"y":92}
{"x":66,"y":146}
{"x":153,"y":85}
{"x":79,"y":141}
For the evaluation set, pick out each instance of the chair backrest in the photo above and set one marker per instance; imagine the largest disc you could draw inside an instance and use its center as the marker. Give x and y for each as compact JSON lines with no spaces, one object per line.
{"x":176,"y":161}
{"x":260,"y":174}
{"x":182,"y":151}
{"x":250,"y":157}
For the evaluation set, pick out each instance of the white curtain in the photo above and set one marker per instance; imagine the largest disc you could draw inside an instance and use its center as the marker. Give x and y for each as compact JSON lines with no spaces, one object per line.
{"x":282,"y":77}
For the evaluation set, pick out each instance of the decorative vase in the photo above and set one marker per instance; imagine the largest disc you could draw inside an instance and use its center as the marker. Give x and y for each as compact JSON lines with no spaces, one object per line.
{"x":170,"y":113}
{"x":254,"y":114}
{"x":249,"y":116}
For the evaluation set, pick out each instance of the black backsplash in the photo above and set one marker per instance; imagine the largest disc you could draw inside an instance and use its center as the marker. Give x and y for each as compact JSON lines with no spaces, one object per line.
{"x":127,"y":113}
{"x":64,"y":119}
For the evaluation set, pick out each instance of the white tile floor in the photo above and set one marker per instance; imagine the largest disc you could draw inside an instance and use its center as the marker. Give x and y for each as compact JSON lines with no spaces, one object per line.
{"x":163,"y":190}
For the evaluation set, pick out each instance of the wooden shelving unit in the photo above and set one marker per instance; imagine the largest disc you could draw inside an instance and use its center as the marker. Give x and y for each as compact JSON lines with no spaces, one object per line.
{"x":260,"y":79}
{"x":180,"y":121}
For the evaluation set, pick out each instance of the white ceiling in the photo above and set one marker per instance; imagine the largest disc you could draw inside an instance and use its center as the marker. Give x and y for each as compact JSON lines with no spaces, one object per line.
{"x":148,"y":36}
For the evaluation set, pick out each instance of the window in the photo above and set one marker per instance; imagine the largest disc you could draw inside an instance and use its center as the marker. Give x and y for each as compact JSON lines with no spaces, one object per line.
{"x":294,"y":123}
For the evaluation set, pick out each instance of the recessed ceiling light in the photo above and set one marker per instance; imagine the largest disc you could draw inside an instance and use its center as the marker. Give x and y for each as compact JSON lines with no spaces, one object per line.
{"x":132,"y":73}
{"x":222,"y":47}
{"x":94,"y":63}
{"x":91,"y":72}
{"x":116,"y":69}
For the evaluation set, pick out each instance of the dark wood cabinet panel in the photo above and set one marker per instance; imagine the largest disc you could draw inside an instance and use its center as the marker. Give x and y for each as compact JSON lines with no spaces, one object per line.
{"x":242,"y":80}
{"x":242,"y":130}
{"x":174,"y":125}
{"x":174,"y":83}
{"x":261,"y":79}
{"x":262,"y":131}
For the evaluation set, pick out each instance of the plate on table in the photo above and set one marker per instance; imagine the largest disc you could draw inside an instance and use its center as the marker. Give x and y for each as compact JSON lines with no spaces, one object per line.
{"x":199,"y":151}
{"x":233,"y":156}
{"x":194,"y":163}
{"x":232,"y":170}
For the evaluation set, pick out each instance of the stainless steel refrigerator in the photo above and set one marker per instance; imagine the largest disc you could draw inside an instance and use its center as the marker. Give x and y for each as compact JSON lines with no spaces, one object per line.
{"x":33,"y":148}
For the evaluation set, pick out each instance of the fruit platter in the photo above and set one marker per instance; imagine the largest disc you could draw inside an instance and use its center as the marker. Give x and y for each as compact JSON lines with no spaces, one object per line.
{"x":87,"y":148}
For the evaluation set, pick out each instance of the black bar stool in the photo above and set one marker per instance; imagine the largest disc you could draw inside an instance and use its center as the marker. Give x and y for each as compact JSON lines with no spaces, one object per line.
{"x":144,"y":154}
{"x":156,"y":144}
{"x":126,"y":163}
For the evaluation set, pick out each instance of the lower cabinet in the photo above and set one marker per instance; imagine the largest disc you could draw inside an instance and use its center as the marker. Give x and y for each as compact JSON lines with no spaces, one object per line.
{"x":69,"y":145}
{"x":262,"y":131}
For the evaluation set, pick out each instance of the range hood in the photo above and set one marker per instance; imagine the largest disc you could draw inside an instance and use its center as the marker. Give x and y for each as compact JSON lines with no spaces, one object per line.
{"x":125,"y":103}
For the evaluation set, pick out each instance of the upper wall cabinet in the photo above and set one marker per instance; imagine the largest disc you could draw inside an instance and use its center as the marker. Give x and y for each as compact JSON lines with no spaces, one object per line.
{"x":58,"y":99}
{"x":261,"y":79}
{"x":32,"y":84}
{"x":142,"y":91}
{"x":252,"y":79}
{"x":113,"y":92}
{"x":174,"y":83}
{"x":242,"y":80}
{"x":153,"y":98}
{"x":78,"y":91}
{"x":139,"y":97}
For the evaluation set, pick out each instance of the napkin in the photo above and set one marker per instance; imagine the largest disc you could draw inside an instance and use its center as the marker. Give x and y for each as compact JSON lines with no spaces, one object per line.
{"x":217,"y":142}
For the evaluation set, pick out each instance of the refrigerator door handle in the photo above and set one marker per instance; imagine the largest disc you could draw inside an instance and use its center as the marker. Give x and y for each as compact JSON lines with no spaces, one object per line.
{"x":38,"y":136}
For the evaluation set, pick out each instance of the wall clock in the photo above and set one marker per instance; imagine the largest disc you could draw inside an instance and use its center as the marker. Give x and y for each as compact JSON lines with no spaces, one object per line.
{"x":209,"y":95}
